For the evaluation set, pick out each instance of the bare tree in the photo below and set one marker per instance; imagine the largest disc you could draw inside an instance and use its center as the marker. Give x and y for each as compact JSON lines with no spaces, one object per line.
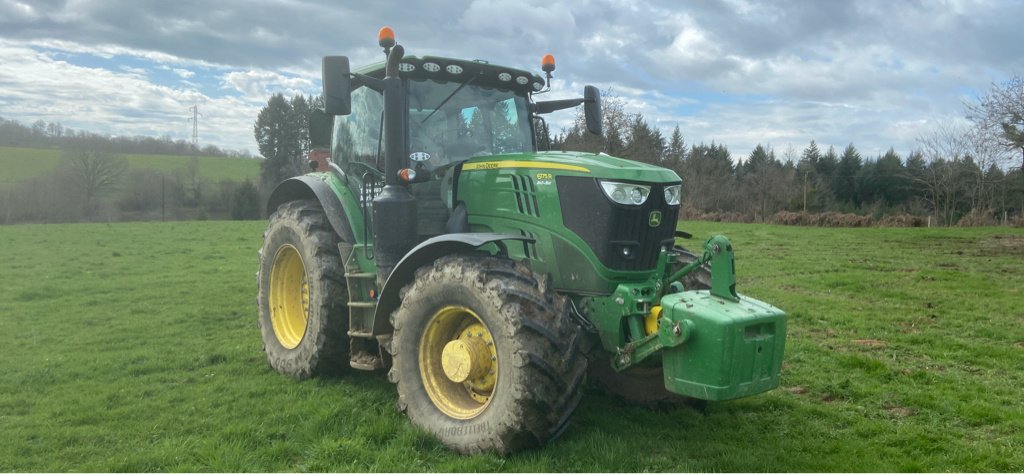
{"x":943,"y":148}
{"x":999,"y":114}
{"x":986,"y":154}
{"x":94,"y":172}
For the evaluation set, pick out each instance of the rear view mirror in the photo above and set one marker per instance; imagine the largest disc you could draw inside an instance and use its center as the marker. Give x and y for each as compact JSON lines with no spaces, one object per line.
{"x":337,"y":86}
{"x":592,"y":109}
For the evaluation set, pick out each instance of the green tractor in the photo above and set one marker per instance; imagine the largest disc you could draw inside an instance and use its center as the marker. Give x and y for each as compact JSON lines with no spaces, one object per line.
{"x":487,"y":278}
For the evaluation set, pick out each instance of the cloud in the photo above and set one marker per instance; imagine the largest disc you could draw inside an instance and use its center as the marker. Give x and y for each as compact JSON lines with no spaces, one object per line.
{"x":736,"y":71}
{"x":526,"y":22}
{"x":134,"y":71}
{"x":258,"y":85}
{"x":125,"y":102}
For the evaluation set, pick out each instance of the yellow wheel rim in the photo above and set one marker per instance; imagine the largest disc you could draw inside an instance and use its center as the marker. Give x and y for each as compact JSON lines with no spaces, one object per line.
{"x":289,"y":297}
{"x":458,"y":362}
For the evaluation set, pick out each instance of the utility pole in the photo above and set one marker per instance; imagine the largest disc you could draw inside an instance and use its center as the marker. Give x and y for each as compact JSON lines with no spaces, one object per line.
{"x":195,"y":126}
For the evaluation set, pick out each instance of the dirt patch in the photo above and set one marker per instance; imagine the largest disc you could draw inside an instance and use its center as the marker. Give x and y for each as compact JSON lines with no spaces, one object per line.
{"x":1003,"y":245}
{"x":1019,"y":345}
{"x":870,"y":343}
{"x":900,"y":412}
{"x":915,"y":324}
{"x":798,"y":390}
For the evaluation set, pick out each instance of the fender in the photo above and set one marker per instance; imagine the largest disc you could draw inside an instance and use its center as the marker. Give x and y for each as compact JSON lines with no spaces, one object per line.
{"x":311,"y":187}
{"x":424,"y":253}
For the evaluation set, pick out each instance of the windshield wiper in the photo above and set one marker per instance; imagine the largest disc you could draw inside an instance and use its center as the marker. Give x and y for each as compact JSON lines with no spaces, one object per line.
{"x":446,"y":99}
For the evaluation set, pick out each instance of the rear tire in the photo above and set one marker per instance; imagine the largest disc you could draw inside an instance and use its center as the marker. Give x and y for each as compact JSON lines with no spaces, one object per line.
{"x":302,"y":297}
{"x":455,"y":308}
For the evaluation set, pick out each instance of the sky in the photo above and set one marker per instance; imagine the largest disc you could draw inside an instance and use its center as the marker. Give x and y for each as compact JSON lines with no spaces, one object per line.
{"x":782,"y":73}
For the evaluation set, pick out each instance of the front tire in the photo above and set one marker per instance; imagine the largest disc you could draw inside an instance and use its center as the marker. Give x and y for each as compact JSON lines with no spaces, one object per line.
{"x":485,"y":355}
{"x":302,"y":299}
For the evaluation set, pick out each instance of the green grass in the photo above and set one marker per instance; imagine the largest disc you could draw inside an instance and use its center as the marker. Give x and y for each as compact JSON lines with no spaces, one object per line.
{"x":21,"y":164}
{"x":134,"y":347}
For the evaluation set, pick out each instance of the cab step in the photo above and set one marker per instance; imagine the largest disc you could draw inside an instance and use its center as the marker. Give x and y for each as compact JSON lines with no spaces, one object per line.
{"x":363,"y":360}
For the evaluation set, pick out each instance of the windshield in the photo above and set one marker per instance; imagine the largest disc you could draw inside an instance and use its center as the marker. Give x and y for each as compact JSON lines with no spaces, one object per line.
{"x":452,"y":122}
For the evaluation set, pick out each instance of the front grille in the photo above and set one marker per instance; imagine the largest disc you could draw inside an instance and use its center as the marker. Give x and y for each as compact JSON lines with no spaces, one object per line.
{"x":608,"y":227}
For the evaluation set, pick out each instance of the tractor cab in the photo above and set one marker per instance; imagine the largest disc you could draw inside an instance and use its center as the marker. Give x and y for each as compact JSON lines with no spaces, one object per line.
{"x":453,"y":110}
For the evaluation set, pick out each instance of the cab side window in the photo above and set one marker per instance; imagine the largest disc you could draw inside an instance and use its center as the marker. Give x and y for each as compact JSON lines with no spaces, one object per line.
{"x":357,"y":135}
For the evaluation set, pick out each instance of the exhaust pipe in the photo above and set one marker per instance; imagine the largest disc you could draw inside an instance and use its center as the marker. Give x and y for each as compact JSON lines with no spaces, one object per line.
{"x":394,"y":209}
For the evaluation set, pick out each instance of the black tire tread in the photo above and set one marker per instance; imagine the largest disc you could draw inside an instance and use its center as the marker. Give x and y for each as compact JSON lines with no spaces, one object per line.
{"x":324,"y":349}
{"x":536,"y":412}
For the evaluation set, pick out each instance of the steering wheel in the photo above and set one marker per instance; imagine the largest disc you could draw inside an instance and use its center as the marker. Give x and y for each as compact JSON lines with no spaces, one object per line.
{"x":365,"y":166}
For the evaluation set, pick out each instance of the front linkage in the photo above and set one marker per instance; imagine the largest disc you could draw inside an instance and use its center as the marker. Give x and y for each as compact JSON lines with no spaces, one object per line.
{"x":714,"y":344}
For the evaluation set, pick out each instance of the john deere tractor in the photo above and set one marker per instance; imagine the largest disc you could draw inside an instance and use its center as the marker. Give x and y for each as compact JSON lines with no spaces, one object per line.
{"x":484,"y":276}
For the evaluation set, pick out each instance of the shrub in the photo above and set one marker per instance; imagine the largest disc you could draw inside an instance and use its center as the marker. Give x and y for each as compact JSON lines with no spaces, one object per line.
{"x":977,"y":218}
{"x":902,"y":220}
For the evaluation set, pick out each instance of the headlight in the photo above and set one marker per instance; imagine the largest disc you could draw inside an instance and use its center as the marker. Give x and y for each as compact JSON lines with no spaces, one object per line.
{"x":626,"y":193}
{"x":672,"y":194}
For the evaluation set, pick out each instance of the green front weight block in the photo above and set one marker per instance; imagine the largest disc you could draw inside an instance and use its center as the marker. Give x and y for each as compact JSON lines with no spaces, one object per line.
{"x":731,"y":349}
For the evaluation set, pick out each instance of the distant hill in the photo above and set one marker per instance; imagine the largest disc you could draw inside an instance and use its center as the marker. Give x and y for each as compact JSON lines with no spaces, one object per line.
{"x":18,"y":165}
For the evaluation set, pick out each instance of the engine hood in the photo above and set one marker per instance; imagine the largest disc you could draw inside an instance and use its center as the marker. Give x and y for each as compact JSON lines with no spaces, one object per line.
{"x":597,"y":165}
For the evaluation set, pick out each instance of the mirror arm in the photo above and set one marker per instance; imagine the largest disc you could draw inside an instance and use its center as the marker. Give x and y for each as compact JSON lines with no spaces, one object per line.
{"x":363,"y":79}
{"x":549,"y":106}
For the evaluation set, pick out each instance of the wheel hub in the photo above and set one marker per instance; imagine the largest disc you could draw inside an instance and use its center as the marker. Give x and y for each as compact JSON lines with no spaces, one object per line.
{"x":458,"y":362}
{"x":467,"y":358}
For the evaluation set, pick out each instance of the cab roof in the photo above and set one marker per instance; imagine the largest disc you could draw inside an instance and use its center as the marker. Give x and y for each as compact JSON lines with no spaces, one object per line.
{"x":460,"y":70}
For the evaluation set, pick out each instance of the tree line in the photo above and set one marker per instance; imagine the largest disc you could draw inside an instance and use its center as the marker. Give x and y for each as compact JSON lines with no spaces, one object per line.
{"x":42,"y":134}
{"x":957,"y":175}
{"x":94,"y":183}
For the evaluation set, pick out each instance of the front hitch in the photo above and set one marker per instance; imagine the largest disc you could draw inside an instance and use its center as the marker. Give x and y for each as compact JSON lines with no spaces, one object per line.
{"x":714,"y":344}
{"x":718,"y":251}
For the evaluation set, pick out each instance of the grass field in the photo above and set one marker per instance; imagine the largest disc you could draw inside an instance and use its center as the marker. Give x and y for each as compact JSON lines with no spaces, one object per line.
{"x":21,"y":164}
{"x":134,"y":347}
